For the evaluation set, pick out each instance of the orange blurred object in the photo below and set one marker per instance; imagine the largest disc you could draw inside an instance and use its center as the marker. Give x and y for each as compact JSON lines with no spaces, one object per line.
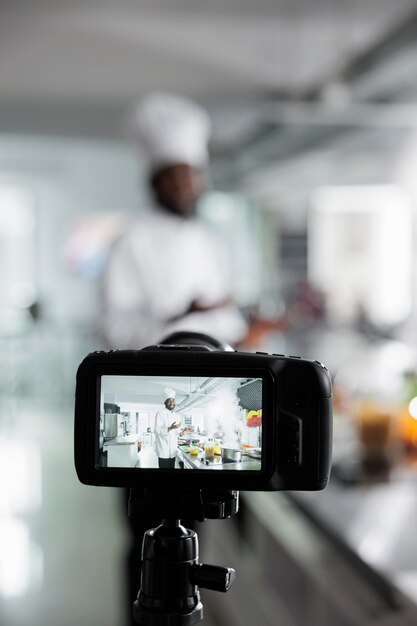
{"x":407,"y":428}
{"x":375,"y":428}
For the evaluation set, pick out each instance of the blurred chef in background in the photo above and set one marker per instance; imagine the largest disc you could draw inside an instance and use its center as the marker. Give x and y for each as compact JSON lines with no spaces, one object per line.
{"x":168,"y":272}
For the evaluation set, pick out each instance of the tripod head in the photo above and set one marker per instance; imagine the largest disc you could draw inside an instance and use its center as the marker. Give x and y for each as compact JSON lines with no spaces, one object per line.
{"x":171,"y":572}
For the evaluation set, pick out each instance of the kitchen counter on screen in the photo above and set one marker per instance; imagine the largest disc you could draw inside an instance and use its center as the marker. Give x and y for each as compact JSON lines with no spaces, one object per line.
{"x":123,"y":440}
{"x":197,"y":462}
{"x":122,"y":451}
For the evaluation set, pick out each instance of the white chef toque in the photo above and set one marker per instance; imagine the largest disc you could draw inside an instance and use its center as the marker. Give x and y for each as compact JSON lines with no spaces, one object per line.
{"x":172,"y":130}
{"x":169,"y":393}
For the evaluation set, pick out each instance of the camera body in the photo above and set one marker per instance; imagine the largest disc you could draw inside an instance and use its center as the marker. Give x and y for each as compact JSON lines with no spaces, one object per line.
{"x":278,"y":409}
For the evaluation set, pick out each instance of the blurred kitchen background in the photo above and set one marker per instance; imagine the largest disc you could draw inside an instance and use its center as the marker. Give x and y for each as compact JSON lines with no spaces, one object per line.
{"x":314,"y":190}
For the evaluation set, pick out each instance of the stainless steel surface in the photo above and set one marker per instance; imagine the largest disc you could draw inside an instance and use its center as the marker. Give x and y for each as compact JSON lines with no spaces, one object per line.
{"x":110,"y":425}
{"x":231,"y":454}
{"x":123,"y":440}
{"x":255,"y":453}
{"x":192,"y":462}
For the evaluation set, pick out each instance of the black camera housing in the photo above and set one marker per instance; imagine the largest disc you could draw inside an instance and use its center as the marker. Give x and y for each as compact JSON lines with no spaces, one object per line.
{"x":296,"y":428}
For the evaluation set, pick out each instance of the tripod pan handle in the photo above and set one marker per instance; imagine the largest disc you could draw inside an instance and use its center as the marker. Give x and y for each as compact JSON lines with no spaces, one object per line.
{"x":213,"y":577}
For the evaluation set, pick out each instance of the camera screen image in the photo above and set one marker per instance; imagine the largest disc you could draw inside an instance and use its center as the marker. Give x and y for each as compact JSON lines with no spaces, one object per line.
{"x":180,"y":422}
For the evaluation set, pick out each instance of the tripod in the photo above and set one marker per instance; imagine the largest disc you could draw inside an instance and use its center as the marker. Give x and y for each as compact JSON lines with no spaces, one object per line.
{"x":171,"y":573}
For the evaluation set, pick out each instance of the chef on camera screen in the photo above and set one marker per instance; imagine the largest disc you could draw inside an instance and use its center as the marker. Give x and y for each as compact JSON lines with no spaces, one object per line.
{"x":180,"y":422}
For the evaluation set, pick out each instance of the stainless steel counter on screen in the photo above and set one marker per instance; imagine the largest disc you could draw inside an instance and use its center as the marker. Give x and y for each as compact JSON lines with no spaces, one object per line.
{"x":122,"y":451}
{"x":198,"y":462}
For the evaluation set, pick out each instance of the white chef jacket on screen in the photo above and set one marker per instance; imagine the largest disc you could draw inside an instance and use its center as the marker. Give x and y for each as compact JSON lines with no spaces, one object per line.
{"x":166,"y":443}
{"x":161,"y":265}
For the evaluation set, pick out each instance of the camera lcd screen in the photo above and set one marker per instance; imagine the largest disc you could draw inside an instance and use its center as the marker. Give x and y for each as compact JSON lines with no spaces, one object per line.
{"x":180,"y":423}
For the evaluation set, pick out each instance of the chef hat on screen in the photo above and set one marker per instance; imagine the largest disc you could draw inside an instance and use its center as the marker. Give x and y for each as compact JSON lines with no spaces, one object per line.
{"x":169,"y":393}
{"x":172,"y":130}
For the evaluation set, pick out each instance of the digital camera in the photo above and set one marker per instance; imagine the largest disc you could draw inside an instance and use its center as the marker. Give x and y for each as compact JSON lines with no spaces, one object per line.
{"x":189,"y":417}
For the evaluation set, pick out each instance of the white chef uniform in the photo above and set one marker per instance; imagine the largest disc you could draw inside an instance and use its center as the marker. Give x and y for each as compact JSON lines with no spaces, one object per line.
{"x":165,"y":262}
{"x":166,"y":443}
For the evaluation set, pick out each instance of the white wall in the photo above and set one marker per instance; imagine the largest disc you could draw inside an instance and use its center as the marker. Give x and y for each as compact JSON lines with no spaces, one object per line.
{"x":68,"y":178}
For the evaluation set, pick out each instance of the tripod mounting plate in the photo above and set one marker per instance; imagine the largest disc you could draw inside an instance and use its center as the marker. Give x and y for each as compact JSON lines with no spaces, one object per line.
{"x":191,"y":505}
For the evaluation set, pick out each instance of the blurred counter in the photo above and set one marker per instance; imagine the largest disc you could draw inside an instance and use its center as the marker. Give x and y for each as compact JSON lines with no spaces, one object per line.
{"x":377,"y":520}
{"x":295,"y":569}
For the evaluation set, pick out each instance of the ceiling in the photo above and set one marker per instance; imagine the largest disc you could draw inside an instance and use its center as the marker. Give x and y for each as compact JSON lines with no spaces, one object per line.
{"x":283,"y":81}
{"x":152,"y":389}
{"x":77,"y":66}
{"x":154,"y":386}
